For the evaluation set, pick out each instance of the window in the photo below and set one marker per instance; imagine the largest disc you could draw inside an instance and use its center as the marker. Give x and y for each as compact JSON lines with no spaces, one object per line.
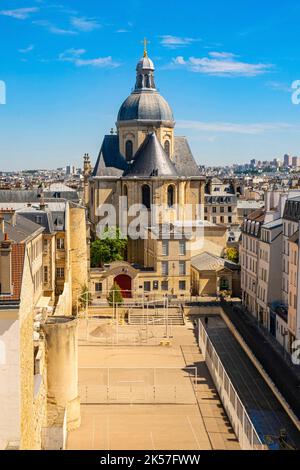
{"x":222,"y":219}
{"x":182,"y":268}
{"x":125,"y":191}
{"x":229,"y":209}
{"x":205,"y":209}
{"x":214,"y":220}
{"x":60,"y":243}
{"x":182,"y":247}
{"x":155,"y":285}
{"x":38,"y":219}
{"x":171,"y":199}
{"x":147,"y":286}
{"x":129,"y":150}
{"x":60,"y":273}
{"x":45,"y":274}
{"x":146,"y":196}
{"x":229,"y":219}
{"x":214,"y":210}
{"x":165,"y":268}
{"x":182,"y":285}
{"x":98,"y":287}
{"x":167,"y":147}
{"x":222,"y":209}
{"x":224,"y":284}
{"x":165,"y":248}
{"x":164,"y":285}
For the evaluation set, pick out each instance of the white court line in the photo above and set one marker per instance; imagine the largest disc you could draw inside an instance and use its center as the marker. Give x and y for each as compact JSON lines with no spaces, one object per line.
{"x":193,"y":431}
{"x":152,"y":440}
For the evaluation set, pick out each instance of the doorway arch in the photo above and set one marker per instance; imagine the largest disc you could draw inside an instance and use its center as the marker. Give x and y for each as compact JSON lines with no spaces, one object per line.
{"x":125,"y":283}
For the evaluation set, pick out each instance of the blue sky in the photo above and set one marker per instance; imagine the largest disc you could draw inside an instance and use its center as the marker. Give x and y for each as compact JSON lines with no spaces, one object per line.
{"x":226,"y":69}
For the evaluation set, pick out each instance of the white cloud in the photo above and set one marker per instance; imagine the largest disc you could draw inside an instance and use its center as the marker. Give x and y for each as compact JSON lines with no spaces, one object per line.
{"x":55,"y":29}
{"x":27,"y":49}
{"x":236,"y":128}
{"x":75,"y":56}
{"x":222,"y":64}
{"x":85,"y":24}
{"x":279,"y":86}
{"x":173,"y":42}
{"x":20,"y":13}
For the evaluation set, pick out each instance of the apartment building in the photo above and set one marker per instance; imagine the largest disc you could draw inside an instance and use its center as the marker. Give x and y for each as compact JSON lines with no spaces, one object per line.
{"x":260,"y":263}
{"x":291,"y":217}
{"x":22,"y":385}
{"x":294,"y":289}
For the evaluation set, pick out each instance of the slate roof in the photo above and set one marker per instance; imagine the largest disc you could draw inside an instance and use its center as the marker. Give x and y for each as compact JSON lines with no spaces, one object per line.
{"x":292,"y":209}
{"x":111,"y":163}
{"x":23,"y":195}
{"x":151,"y":160}
{"x":40,"y":217}
{"x":183,"y":158}
{"x":209,"y":262}
{"x":21,"y":229}
{"x":145,"y":106}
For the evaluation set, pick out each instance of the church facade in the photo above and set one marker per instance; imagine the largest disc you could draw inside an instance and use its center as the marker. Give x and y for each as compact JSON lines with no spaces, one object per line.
{"x":145,"y":163}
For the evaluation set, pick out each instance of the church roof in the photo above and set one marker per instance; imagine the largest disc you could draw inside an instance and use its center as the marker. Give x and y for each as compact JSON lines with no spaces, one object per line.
{"x":110,"y":162}
{"x":151,"y":160}
{"x":145,"y":103}
{"x":145,"y":106}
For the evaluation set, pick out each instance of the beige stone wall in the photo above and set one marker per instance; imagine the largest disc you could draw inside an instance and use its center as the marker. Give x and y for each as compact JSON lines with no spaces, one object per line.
{"x":137,"y":134}
{"x":79,"y":255}
{"x":62,"y":367}
{"x":26,"y":371}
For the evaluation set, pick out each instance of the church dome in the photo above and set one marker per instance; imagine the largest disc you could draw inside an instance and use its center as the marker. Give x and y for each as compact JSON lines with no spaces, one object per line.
{"x":145,"y":106}
{"x":145,"y":103}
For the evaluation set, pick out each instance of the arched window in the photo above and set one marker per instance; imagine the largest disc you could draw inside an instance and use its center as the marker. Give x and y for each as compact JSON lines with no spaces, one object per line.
{"x":129,"y":149}
{"x":167,"y":147}
{"x":125,"y":191}
{"x":171,"y":196}
{"x":146,"y":196}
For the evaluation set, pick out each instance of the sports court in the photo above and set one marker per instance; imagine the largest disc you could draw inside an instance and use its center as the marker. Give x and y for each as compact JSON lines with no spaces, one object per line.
{"x":149,"y":397}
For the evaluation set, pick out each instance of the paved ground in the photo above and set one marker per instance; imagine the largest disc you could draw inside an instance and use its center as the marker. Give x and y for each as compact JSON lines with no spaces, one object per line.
{"x":263,"y":408}
{"x":285,"y":380}
{"x":200,"y":425}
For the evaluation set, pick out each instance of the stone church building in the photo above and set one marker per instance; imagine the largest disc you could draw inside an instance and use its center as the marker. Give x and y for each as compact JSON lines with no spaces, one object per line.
{"x":144,"y":162}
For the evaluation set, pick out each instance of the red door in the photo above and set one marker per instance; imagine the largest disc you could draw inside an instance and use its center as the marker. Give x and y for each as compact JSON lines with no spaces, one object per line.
{"x":124,"y":282}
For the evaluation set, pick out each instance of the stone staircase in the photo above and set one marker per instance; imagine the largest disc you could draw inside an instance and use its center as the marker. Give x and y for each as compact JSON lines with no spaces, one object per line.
{"x":174,"y":317}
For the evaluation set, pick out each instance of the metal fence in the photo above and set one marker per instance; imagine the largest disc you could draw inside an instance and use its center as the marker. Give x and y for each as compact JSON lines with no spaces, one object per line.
{"x":237,"y":414}
{"x":137,"y":385}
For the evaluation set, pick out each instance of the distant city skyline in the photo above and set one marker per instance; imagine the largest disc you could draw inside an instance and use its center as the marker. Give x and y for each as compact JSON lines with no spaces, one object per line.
{"x":225,"y":69}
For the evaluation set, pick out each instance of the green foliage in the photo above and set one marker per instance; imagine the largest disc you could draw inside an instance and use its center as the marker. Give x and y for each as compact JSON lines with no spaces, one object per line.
{"x":233,"y":255}
{"x":85,"y":297}
{"x":115,"y":295}
{"x":110,"y":247}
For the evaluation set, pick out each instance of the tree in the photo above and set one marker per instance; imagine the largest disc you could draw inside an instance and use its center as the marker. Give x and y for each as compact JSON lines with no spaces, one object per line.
{"x":115,"y":295}
{"x":110,"y":247}
{"x":85,"y":297}
{"x":232,"y":255}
